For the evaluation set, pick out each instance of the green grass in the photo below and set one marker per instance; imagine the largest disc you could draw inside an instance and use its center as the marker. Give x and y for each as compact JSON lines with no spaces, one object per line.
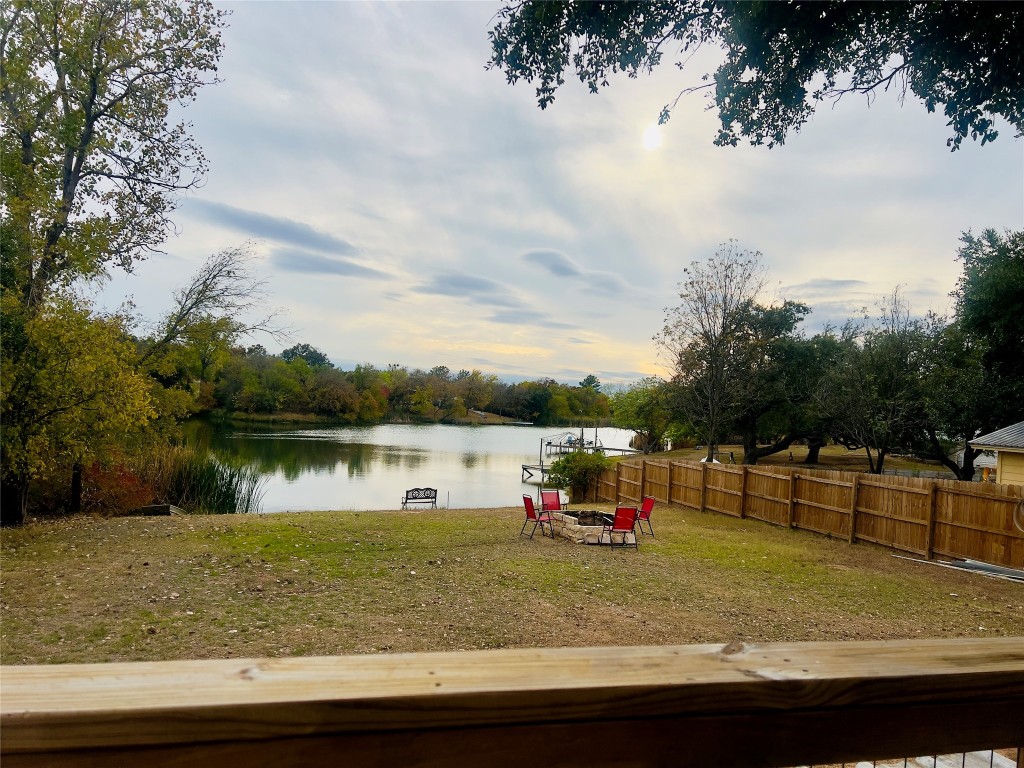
{"x":368,"y":582}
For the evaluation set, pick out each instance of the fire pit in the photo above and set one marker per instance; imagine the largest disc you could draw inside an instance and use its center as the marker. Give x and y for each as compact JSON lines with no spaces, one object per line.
{"x":583,"y":526}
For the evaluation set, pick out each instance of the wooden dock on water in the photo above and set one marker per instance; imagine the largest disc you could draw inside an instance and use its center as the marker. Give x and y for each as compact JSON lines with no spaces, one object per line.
{"x":560,"y":449}
{"x":530,"y":469}
{"x":565,"y":448}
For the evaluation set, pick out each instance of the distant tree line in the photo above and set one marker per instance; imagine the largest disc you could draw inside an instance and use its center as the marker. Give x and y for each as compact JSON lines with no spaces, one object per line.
{"x":927,"y":385}
{"x":220,"y":376}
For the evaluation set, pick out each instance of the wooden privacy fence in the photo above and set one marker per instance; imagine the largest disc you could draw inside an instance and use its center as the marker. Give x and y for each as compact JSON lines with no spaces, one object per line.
{"x":686,"y":706}
{"x":925,"y":516}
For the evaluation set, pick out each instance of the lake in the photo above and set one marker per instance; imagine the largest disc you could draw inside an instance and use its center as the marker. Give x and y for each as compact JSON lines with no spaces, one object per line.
{"x":319,"y":468}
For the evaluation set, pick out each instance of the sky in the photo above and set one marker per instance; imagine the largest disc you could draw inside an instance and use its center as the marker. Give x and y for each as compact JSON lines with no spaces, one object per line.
{"x":406,"y":205}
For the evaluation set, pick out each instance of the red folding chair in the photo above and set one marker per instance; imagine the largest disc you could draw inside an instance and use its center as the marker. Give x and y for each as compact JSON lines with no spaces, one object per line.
{"x":622,"y":524}
{"x":644,"y":515}
{"x":536,"y":519}
{"x":550,"y":501}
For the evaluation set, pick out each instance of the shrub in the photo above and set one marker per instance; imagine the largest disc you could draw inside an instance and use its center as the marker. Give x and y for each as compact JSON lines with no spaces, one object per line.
{"x":198,"y":480}
{"x":578,"y":471}
{"x":114,"y":489}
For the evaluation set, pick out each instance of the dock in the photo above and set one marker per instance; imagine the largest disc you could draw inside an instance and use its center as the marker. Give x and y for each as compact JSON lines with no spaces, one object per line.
{"x":562,"y":448}
{"x":530,"y":469}
{"x":552,"y":448}
{"x":566,"y":443}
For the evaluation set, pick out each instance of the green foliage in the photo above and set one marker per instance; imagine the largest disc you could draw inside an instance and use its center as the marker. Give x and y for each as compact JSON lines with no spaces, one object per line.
{"x":90,"y":163}
{"x":782,"y":59}
{"x":578,"y":471}
{"x":645,"y":409}
{"x":69,"y":391}
{"x":313,"y":356}
{"x":875,"y":397}
{"x":200,"y":481}
{"x":548,"y":402}
{"x":989,"y":297}
{"x":974,"y":382}
{"x":90,"y":166}
{"x":707,"y":336}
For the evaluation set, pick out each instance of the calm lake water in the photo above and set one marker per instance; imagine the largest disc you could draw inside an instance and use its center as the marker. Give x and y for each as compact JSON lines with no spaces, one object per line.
{"x":318,"y":468}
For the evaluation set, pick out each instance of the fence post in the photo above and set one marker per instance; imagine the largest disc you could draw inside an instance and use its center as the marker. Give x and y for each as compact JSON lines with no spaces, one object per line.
{"x":703,"y":487}
{"x":643,"y":479}
{"x":618,"y":481}
{"x":668,"y":492}
{"x":792,"y":497}
{"x":853,"y":509}
{"x":743,"y":491}
{"x":929,"y":539}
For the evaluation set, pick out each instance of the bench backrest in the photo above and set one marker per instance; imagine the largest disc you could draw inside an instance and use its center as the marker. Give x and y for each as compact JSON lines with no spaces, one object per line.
{"x":421,"y":494}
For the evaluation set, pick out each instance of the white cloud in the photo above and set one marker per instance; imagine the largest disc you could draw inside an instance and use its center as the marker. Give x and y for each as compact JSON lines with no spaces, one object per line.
{"x":360,"y":141}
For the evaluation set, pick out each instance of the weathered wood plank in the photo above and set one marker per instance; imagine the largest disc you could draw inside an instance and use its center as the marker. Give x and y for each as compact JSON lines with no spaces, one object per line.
{"x":777,"y":704}
{"x":894,"y":487}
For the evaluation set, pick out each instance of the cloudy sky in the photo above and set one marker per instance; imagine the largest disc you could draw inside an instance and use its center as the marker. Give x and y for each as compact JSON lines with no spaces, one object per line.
{"x":410,"y":207}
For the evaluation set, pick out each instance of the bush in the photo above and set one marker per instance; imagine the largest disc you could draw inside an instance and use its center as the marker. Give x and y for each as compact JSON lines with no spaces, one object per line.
{"x":198,"y":480}
{"x":578,"y":471}
{"x":112,"y":490}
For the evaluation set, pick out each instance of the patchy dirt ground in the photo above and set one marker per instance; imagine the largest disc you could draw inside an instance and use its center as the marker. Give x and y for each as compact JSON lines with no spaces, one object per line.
{"x":89,"y":590}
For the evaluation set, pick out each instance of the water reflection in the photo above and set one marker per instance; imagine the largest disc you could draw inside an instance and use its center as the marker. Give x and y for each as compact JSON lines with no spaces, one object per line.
{"x":370,"y":467}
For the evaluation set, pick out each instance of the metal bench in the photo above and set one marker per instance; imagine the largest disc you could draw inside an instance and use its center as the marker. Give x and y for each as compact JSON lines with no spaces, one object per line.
{"x":420,"y":496}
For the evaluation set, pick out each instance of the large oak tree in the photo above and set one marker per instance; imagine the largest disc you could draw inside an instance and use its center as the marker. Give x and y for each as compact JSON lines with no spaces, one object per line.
{"x":782,"y":58}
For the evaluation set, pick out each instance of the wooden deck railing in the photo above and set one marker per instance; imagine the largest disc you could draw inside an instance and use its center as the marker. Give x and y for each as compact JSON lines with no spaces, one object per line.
{"x":698,"y":705}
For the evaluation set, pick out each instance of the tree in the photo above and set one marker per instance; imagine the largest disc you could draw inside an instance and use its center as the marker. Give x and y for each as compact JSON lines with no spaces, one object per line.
{"x":222,"y":290}
{"x":782,"y":59}
{"x":644,"y":408}
{"x":89,"y":168}
{"x":958,"y":396}
{"x":700,"y":336}
{"x":477,"y":389}
{"x":975,"y":380}
{"x":875,"y":397}
{"x":313,"y":356}
{"x":67,"y":397}
{"x":768,"y":394}
{"x":578,"y":471}
{"x":90,"y":162}
{"x":591,"y":382}
{"x":989,"y":297}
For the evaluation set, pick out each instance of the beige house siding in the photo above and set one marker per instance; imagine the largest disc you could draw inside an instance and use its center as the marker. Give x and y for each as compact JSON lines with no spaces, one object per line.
{"x":1010,"y":467}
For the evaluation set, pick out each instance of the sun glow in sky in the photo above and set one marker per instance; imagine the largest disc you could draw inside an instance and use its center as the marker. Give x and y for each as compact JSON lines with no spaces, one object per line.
{"x":408,"y":206}
{"x":652,"y":137}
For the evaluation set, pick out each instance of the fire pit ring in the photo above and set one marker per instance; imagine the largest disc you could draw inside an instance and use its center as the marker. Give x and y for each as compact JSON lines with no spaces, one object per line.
{"x":584,"y":526}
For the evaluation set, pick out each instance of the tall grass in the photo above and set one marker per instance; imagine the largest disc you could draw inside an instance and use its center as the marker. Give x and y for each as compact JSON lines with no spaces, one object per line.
{"x":199,"y":480}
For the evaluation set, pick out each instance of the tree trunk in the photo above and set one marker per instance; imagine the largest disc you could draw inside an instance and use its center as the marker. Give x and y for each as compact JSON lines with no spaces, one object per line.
{"x":751,"y":452}
{"x":13,"y":500}
{"x":75,"y":502}
{"x":881,"y":460}
{"x":814,"y":445}
{"x":871,"y":462}
{"x":967,"y":468}
{"x":965,"y":472}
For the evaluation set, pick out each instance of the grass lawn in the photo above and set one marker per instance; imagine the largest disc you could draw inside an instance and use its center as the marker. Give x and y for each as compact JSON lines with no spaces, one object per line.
{"x":830,"y":457}
{"x":88,"y":590}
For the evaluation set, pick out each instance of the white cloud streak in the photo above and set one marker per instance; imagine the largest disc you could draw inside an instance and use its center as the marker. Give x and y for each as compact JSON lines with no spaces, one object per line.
{"x":415,"y":208}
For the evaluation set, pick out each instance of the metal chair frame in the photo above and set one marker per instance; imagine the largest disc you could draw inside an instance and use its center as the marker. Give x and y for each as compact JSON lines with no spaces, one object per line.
{"x":644,"y":515}
{"x":536,"y":519}
{"x":624,"y":522}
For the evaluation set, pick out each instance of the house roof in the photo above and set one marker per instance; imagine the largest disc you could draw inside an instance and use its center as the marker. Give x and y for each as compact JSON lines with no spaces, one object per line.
{"x":1011,"y":437}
